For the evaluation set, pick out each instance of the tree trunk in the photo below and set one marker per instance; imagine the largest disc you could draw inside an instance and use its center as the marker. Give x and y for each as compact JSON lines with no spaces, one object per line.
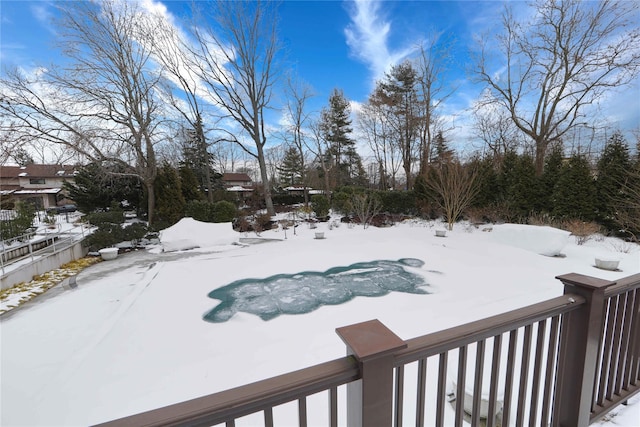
{"x":265,"y":180}
{"x":151,"y":201}
{"x":541,"y":149}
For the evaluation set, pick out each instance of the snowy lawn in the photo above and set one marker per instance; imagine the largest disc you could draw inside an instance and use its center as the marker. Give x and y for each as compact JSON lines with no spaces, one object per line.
{"x":132,"y":337}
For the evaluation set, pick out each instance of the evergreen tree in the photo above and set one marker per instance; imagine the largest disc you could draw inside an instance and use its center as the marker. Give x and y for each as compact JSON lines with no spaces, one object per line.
{"x":196,"y":156}
{"x":290,"y":170}
{"x":335,"y":125}
{"x":22,"y":157}
{"x":189,"y":184}
{"x":550,"y":176}
{"x":358,"y":173}
{"x":99,"y":187}
{"x":443,"y":154}
{"x":574,"y":194}
{"x":170,"y":203}
{"x":487,"y":179}
{"x":518,"y":185}
{"x":613,"y":172}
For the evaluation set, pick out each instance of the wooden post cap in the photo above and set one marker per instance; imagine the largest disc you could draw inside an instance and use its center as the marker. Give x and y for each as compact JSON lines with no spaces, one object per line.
{"x":370,"y":340}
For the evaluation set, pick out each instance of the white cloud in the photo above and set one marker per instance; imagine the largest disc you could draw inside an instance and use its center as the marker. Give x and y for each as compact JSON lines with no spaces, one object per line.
{"x":41,"y":11}
{"x":368,"y":37}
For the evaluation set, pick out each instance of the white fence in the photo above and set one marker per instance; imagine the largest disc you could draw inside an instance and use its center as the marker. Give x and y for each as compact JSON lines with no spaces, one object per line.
{"x":32,"y":260}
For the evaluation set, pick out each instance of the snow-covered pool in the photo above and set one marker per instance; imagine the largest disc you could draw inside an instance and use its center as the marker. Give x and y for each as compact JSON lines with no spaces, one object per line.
{"x":304,"y":292}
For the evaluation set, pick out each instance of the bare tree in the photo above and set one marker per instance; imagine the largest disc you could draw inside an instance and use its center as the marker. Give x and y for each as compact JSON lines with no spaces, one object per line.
{"x":172,"y":51}
{"x":455,"y":187}
{"x":365,"y":207}
{"x":497,"y":131}
{"x":10,"y":141}
{"x":565,"y":60}
{"x":226,"y":156}
{"x":54,"y":154}
{"x":374,"y":126}
{"x":628,"y":205}
{"x":235,"y":60}
{"x":274,"y":155}
{"x":321,"y":149}
{"x":432,"y":65}
{"x":298,"y":93}
{"x":104,"y":104}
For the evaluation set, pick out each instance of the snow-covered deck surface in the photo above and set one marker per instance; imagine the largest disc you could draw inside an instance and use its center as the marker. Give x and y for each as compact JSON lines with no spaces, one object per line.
{"x":131,"y":336}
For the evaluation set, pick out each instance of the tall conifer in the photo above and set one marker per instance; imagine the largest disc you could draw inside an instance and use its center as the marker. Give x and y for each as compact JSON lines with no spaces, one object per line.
{"x":574,"y":193}
{"x":613,"y":172}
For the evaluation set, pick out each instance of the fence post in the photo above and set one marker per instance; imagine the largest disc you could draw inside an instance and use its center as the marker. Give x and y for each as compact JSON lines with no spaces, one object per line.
{"x":580,"y":338}
{"x":370,"y":400}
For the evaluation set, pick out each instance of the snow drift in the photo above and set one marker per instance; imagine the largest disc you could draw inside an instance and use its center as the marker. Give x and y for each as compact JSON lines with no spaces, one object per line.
{"x":189,"y":234}
{"x":542,"y":240}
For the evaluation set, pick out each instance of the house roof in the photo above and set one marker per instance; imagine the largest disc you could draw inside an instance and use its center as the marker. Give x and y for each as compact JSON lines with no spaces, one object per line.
{"x":236,"y":177}
{"x":239,"y":189}
{"x":37,"y":171}
{"x":38,"y":191}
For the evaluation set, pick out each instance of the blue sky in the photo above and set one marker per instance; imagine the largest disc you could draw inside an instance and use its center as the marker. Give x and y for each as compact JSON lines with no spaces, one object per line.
{"x":329,"y":44}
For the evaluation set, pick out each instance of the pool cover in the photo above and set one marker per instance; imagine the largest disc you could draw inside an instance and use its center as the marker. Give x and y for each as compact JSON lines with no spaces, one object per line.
{"x":304,"y":292}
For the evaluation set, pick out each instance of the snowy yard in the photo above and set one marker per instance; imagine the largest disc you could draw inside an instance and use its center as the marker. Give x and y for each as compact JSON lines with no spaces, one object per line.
{"x":131,"y":337}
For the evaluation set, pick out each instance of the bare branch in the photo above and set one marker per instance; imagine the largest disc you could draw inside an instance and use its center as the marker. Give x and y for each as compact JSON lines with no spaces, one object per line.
{"x":555,"y":67}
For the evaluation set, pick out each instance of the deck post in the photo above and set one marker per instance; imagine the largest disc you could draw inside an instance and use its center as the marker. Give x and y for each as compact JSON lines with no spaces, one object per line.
{"x":580,"y":337}
{"x":370,"y":400}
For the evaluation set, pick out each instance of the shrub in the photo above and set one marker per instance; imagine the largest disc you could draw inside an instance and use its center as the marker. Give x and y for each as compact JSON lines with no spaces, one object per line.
{"x":320,"y":205}
{"x":200,"y":210}
{"x":341,"y":202}
{"x":135,"y":231}
{"x":106,"y":235}
{"x":224,"y":211}
{"x":543,"y":219}
{"x":583,"y":230}
{"x":19,"y":223}
{"x":221,"y":194}
{"x":398,"y":202}
{"x":287,"y":199}
{"x":110,"y":217}
{"x":365,"y":206}
{"x":242,"y":224}
{"x":262,"y":221}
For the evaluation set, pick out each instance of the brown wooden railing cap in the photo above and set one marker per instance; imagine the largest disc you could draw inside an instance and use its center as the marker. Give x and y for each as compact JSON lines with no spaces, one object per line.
{"x":370,"y":340}
{"x":584,"y":281}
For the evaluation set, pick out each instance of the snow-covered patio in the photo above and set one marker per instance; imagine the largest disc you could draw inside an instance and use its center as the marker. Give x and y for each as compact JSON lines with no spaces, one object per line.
{"x":131,"y":337}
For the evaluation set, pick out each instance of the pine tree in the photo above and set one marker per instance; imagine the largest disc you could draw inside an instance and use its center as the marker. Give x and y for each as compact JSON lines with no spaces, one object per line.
{"x":488,"y":191}
{"x":290,"y":170}
{"x":397,"y":94}
{"x":196,"y":156}
{"x":98,"y":187}
{"x":22,"y":157}
{"x":575,"y":193}
{"x":550,"y":176}
{"x":170,"y":203}
{"x":189,"y":185}
{"x":443,"y":154}
{"x":336,"y":130}
{"x":518,"y":185}
{"x":613,"y":172}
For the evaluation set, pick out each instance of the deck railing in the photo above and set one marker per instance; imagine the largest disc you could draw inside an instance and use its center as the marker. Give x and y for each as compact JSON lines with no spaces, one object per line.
{"x":563,"y":362}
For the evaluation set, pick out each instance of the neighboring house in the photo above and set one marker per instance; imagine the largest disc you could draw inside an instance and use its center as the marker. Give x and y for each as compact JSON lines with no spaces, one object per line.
{"x":236,"y":179}
{"x":238,"y":183}
{"x":38,"y":184}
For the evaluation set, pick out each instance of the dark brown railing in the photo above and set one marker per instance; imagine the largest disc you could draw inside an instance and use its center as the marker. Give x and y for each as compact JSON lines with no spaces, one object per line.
{"x":619,"y":349}
{"x":569,"y":361}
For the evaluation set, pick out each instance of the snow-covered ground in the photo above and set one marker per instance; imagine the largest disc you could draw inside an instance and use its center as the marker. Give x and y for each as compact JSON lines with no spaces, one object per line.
{"x":131,"y":337}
